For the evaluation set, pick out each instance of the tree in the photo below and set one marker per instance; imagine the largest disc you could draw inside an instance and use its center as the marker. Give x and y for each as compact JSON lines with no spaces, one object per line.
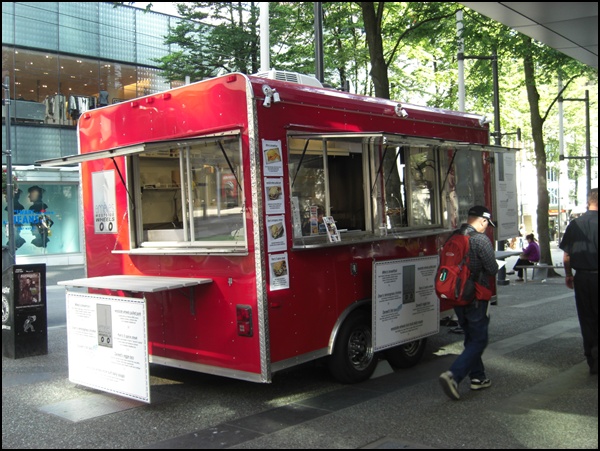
{"x":410,"y":48}
{"x":541,"y":66}
{"x":536,"y":58}
{"x":217,"y":37}
{"x":398,"y":24}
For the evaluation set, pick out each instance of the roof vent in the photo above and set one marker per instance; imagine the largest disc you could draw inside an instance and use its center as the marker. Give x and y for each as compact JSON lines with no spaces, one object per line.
{"x":292,"y":77}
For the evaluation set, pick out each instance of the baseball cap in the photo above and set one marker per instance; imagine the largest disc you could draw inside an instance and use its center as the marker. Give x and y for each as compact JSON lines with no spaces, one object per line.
{"x":482,"y":212}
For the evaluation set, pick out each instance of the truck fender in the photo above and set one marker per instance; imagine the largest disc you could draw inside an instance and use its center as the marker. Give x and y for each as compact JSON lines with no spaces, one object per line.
{"x":364,"y":304}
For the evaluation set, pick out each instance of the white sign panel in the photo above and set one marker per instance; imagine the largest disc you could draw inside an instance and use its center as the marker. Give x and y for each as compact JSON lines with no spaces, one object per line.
{"x":276,"y":236}
{"x":278,"y":272}
{"x":272,"y":158}
{"x":107,"y":339}
{"x":405,"y":306}
{"x":506,"y":213}
{"x":274,"y":197}
{"x":105,"y":202}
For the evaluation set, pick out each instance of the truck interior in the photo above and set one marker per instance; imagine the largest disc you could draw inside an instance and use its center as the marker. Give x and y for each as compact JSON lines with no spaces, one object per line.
{"x":368,"y":183}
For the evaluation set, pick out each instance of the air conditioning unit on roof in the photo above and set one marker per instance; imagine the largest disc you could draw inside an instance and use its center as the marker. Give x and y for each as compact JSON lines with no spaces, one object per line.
{"x":292,"y":77}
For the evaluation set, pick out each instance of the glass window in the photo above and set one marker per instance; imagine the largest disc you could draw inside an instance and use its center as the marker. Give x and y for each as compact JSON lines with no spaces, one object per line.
{"x":79,"y":28}
{"x":118,"y":37}
{"x":54,"y":89}
{"x":30,"y":31}
{"x":366,"y":183}
{"x":326,"y":179}
{"x":46,"y":218}
{"x":406,"y":185}
{"x":151,"y":31}
{"x":190,"y":195}
{"x":423,"y":187}
{"x":467,"y":181}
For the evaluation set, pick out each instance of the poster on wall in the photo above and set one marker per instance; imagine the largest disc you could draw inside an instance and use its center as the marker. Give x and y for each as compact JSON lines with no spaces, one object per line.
{"x":274,"y":195}
{"x":276,"y":236}
{"x":405,"y":306}
{"x":506,"y":212}
{"x":107,"y":341}
{"x":105,"y":202}
{"x":278,"y":271}
{"x":272,"y":158}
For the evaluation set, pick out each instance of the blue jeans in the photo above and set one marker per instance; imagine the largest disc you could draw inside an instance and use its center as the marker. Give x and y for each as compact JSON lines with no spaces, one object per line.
{"x":474,"y":321}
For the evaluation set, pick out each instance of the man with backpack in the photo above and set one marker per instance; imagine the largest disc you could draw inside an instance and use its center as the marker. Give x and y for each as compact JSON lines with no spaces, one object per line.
{"x":473,"y":317}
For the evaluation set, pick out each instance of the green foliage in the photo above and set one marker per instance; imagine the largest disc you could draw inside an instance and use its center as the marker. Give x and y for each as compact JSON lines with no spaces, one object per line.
{"x":419,"y":50}
{"x":217,"y":37}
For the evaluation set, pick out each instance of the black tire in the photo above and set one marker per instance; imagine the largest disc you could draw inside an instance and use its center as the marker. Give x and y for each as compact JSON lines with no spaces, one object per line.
{"x":406,"y":355}
{"x":353,"y":359}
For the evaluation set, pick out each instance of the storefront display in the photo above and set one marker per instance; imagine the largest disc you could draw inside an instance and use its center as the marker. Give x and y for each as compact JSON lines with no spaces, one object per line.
{"x":46,"y":219}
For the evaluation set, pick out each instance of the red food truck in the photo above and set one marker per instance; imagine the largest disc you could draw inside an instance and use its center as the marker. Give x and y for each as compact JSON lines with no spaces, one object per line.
{"x":265,"y":223}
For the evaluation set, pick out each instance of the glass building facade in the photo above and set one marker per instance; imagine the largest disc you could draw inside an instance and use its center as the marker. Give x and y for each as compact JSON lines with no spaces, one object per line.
{"x":60,"y":59}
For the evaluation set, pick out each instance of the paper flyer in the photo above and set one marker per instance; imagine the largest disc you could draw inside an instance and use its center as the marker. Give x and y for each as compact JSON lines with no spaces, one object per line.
{"x":274,"y":195}
{"x":272,"y":158}
{"x":278,"y":269}
{"x":332,"y":231}
{"x":276,"y":235}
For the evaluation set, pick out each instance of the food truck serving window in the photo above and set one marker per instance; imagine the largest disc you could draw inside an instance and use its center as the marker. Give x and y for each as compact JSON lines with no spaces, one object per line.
{"x":368,"y":183}
{"x":188,"y":195}
{"x":405,"y":186}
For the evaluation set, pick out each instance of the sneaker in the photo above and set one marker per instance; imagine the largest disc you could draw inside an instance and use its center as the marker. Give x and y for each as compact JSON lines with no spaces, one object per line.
{"x":478,"y":384}
{"x":456,"y":330}
{"x":520,"y":279}
{"x":449,"y":385}
{"x":510,"y":273}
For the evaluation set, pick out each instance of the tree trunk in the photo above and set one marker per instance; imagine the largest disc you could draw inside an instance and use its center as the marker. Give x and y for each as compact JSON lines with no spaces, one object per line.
{"x":537,"y":124}
{"x":379,"y":73}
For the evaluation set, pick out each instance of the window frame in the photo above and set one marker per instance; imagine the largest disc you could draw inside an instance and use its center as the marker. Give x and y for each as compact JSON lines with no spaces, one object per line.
{"x":374,"y":208}
{"x":189,"y":242}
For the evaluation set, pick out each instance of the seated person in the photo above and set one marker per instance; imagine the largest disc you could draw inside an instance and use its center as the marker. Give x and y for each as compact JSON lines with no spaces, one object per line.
{"x":529,"y":257}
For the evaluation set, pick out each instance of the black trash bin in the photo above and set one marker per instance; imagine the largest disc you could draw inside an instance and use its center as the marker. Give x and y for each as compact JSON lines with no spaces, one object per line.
{"x":24,"y":311}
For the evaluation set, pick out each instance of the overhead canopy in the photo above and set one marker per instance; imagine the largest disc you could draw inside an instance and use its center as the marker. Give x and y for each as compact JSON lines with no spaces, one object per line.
{"x":569,"y":27}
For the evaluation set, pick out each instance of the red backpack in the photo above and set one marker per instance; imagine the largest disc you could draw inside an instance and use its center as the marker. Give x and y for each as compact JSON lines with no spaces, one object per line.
{"x":453,"y":281}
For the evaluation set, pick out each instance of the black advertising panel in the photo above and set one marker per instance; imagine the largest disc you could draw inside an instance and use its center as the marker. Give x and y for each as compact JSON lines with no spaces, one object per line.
{"x":24,"y":311}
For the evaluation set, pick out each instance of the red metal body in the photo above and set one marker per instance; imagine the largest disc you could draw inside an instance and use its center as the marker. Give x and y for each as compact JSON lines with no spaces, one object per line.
{"x":289,"y":325}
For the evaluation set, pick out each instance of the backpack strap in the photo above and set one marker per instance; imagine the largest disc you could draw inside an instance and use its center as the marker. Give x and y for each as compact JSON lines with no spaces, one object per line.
{"x":474,"y":276}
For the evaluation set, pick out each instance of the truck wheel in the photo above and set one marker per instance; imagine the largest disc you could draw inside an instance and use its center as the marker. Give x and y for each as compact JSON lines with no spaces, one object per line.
{"x":353,"y":359}
{"x":406,"y":355}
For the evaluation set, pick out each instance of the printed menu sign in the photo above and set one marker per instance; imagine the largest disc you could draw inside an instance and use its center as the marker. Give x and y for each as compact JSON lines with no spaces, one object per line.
{"x":405,"y":306}
{"x":278,"y":269}
{"x":272,"y":158}
{"x":276,"y":236}
{"x":105,"y":202}
{"x":274,"y":195}
{"x":107,"y":343}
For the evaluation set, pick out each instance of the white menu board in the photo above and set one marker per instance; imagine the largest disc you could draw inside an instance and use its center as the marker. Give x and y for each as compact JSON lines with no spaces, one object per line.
{"x":107,"y":338}
{"x":405,"y":306}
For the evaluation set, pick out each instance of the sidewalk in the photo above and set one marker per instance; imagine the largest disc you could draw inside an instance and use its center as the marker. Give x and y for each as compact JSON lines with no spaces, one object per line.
{"x":542,"y":396}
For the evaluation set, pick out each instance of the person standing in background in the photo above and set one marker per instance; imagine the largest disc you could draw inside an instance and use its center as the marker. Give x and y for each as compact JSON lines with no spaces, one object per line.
{"x":522,"y":233}
{"x":580,"y":246}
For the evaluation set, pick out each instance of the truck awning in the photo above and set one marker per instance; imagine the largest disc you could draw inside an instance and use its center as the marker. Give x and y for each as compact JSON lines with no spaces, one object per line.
{"x":132,"y":150}
{"x":397,"y":139}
